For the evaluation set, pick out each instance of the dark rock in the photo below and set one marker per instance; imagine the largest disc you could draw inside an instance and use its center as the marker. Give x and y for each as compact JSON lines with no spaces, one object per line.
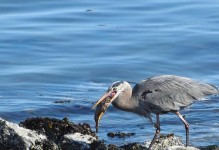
{"x":76,"y":141}
{"x":133,"y":146}
{"x":55,"y":129}
{"x":49,"y":145}
{"x":14,"y":137}
{"x":166,"y":136}
{"x":98,"y":145}
{"x":74,"y":145}
{"x":55,"y":134}
{"x":113,"y":147}
{"x":166,"y":141}
{"x":119,"y":134}
{"x":63,"y":133}
{"x":210,"y":147}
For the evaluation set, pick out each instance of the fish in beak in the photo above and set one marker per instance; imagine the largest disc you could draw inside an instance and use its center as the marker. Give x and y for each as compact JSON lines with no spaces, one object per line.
{"x":103,"y":103}
{"x":100,"y":110}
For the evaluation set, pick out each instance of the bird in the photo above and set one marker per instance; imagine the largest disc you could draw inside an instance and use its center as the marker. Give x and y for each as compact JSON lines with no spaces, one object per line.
{"x":157,"y":95}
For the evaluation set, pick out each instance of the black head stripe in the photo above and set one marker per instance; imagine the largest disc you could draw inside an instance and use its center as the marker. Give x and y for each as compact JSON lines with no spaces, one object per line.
{"x":117,"y":83}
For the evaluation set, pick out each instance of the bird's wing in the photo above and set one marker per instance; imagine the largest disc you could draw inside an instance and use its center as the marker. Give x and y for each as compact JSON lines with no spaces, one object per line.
{"x":170,"y":93}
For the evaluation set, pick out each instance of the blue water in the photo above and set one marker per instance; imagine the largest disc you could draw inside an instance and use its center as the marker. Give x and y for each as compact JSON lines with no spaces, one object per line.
{"x":73,"y":50}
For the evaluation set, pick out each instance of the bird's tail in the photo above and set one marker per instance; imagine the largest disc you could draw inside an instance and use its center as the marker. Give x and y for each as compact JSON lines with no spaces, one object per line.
{"x":209,"y":89}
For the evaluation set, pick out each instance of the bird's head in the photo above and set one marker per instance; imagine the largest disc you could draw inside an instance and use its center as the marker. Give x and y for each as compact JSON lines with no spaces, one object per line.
{"x":113,"y":92}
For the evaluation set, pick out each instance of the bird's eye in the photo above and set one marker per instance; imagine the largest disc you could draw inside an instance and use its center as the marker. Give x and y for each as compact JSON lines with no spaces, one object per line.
{"x":115,"y":89}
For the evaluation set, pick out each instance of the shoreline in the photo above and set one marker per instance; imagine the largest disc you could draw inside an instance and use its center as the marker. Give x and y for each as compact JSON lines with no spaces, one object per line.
{"x":60,"y":134}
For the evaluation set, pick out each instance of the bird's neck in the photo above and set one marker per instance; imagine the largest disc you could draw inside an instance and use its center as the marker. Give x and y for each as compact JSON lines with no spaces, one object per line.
{"x":131,"y":103}
{"x":125,"y":104}
{"x":125,"y":101}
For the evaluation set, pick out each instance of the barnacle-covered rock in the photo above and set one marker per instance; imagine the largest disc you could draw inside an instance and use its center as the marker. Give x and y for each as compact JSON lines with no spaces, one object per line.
{"x":56,"y":134}
{"x":14,"y":137}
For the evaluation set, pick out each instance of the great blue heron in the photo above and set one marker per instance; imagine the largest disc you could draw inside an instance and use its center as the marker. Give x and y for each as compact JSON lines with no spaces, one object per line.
{"x":157,"y":95}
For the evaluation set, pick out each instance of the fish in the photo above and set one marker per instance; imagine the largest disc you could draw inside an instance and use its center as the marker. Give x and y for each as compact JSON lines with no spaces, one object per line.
{"x":100,"y":110}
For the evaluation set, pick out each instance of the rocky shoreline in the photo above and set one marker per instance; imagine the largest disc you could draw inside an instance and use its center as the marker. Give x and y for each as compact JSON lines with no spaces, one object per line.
{"x":55,"y":134}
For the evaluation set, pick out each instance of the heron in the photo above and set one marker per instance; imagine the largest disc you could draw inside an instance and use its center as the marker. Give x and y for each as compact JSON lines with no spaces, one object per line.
{"x":157,"y":95}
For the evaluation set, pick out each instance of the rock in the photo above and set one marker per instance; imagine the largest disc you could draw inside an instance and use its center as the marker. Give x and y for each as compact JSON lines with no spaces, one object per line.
{"x":119,"y":134}
{"x":64,"y":133}
{"x":182,"y":148}
{"x":133,"y":146}
{"x":210,"y":147}
{"x":45,"y":133}
{"x":98,"y":145}
{"x":113,"y":147}
{"x":169,"y":142}
{"x":55,"y":134}
{"x":49,"y":145}
{"x":78,"y":137}
{"x":77,"y":141}
{"x":55,"y":129}
{"x":14,"y":137}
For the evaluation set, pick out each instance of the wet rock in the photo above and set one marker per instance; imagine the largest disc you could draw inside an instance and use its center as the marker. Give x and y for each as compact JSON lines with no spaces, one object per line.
{"x":14,"y":137}
{"x":182,"y":148}
{"x":119,"y":134}
{"x":55,"y":129}
{"x":133,"y":146}
{"x":55,"y":134}
{"x":167,"y":141}
{"x":78,"y":137}
{"x":49,"y":145}
{"x":210,"y":147}
{"x":113,"y":147}
{"x":77,"y":141}
{"x":98,"y":145}
{"x":64,"y":133}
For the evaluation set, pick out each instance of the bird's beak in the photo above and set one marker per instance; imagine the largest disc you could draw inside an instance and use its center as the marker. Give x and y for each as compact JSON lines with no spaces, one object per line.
{"x":103,"y":103}
{"x":101,"y":99}
{"x":111,"y":94}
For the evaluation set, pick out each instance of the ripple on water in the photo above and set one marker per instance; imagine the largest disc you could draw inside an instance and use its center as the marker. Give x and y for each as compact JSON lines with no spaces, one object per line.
{"x":52,"y":51}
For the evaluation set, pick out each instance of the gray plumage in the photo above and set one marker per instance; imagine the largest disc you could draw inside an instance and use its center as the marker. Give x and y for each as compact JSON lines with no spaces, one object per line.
{"x":170,"y":93}
{"x":158,"y":95}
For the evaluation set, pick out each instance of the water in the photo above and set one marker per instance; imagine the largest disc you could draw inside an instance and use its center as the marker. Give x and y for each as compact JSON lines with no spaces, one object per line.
{"x":73,"y":50}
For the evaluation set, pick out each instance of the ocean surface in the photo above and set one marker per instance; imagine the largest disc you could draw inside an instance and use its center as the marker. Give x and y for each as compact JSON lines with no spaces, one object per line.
{"x":74,"y":49}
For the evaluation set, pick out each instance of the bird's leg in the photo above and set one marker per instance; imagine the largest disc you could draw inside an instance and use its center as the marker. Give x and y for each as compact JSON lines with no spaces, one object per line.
{"x":157,"y":131}
{"x":186,"y":127}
